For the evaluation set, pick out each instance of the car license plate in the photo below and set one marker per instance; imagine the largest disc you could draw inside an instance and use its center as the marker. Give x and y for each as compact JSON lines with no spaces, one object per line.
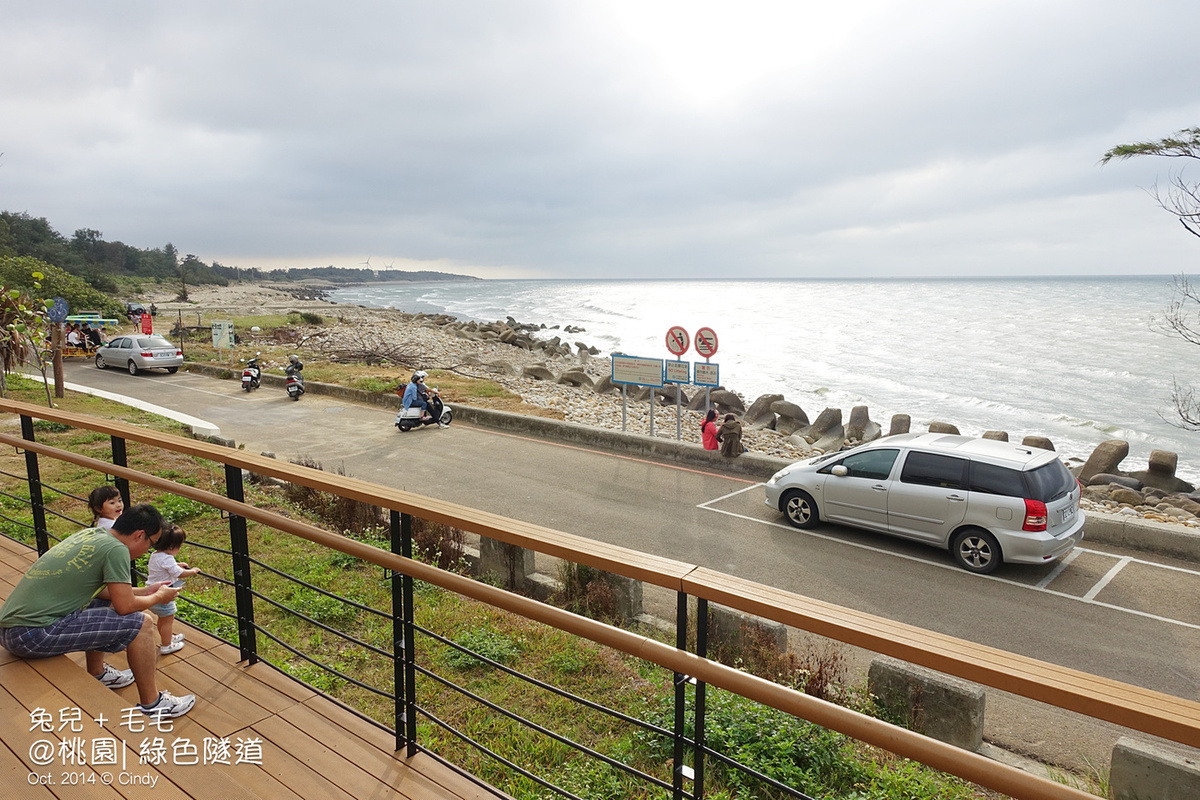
{"x":163,"y":355}
{"x":1068,"y":514}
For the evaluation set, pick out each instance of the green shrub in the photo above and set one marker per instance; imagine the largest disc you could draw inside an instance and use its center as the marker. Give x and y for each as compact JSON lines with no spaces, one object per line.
{"x":177,"y":509}
{"x":485,"y":642}
{"x":50,"y":427}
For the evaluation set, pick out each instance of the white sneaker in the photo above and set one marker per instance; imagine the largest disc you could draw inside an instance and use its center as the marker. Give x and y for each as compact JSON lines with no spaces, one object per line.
{"x":443,"y":424}
{"x":177,"y":637}
{"x":115,"y":678}
{"x":174,"y":647}
{"x":168,"y":706}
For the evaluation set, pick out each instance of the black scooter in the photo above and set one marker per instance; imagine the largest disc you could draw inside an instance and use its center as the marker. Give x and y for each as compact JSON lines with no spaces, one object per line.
{"x":294,"y":383}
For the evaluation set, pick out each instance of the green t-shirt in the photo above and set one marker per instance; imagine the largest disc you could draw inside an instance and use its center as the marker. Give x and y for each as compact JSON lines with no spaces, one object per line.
{"x":66,"y":579}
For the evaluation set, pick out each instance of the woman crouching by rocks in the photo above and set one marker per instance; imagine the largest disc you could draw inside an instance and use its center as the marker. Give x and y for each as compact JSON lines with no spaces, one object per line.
{"x":730,"y":437}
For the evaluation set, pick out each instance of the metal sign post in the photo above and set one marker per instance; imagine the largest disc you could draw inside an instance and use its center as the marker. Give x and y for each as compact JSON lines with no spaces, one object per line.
{"x":679,"y":372}
{"x":706,"y":345}
{"x":630,"y":370}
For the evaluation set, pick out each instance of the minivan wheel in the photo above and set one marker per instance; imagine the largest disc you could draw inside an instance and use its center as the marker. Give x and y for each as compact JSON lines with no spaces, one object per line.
{"x":800,"y":509}
{"x":976,"y":551}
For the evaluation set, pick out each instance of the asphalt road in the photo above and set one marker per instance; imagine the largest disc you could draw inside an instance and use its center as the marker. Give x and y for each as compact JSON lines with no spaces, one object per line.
{"x":1124,"y":615}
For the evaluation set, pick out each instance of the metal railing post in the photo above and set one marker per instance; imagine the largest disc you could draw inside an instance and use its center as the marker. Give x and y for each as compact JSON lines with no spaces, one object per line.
{"x":34,"y":476}
{"x":680,"y":681}
{"x":410,"y":652}
{"x":120,"y":459}
{"x":701,"y":694}
{"x":399,"y":648}
{"x":240,"y":545}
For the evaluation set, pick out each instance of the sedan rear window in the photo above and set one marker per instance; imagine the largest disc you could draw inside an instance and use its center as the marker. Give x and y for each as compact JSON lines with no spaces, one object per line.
{"x":148,"y":342}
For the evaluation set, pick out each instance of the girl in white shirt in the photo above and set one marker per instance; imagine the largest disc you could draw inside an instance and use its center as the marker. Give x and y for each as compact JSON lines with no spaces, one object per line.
{"x":164,"y":567}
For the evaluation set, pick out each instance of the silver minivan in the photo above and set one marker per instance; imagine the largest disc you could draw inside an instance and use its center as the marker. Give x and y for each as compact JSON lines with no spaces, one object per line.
{"x":985,"y":500}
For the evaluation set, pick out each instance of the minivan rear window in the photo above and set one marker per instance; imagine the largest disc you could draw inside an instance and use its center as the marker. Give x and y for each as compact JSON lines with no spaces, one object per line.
{"x":1047,"y":482}
{"x":1050,"y":481}
{"x":991,"y":479}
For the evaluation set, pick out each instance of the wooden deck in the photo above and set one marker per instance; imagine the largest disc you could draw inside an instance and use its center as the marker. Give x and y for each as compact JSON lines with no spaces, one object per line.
{"x":311,"y":747}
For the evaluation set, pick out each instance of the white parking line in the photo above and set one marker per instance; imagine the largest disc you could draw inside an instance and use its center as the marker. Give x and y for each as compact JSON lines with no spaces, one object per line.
{"x":1049,"y":579}
{"x":1112,"y":573}
{"x":1089,"y":598}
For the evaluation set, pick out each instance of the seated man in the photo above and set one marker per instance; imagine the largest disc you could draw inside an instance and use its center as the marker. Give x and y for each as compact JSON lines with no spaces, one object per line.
{"x":79,"y":597}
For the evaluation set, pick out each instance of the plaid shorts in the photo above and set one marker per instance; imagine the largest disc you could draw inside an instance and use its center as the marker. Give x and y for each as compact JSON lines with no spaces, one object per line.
{"x":95,"y":627}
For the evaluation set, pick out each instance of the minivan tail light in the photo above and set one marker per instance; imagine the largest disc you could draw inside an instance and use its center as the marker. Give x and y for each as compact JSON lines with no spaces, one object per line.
{"x":1035,"y":515}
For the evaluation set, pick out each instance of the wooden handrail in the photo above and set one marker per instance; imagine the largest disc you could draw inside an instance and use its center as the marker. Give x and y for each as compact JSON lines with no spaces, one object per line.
{"x":908,"y":744}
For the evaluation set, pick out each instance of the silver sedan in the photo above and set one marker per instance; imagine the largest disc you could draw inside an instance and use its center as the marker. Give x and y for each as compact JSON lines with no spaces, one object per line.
{"x":138,"y":352}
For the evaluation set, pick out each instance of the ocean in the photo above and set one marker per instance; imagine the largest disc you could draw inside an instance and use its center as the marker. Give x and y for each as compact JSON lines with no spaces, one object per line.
{"x":1072,"y":359}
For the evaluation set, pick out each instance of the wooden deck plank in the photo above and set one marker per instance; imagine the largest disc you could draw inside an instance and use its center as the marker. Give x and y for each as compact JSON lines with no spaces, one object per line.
{"x":374,"y":754}
{"x":20,"y":679}
{"x":429,"y":767}
{"x":237,"y":678}
{"x":222,"y":711}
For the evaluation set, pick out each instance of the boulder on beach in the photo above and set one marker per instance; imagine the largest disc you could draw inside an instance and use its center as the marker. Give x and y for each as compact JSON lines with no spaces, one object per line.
{"x":1161,"y":474}
{"x":1038,"y":441}
{"x":901,"y":423}
{"x":790,"y":417}
{"x":538,"y":372}
{"x":669,"y":392}
{"x":1106,"y":478}
{"x":576,"y":377}
{"x":1106,"y":458}
{"x":860,"y":428}
{"x":759,"y":414}
{"x":727,"y":402}
{"x":827,"y":433}
{"x":605,"y":385}
{"x":999,"y":436}
{"x":943,"y":427}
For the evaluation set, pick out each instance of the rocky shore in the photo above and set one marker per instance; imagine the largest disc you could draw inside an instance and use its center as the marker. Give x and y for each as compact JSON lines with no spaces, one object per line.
{"x":554,"y":369}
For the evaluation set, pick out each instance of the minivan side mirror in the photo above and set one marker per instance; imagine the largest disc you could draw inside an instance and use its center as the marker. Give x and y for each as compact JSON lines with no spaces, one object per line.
{"x":840,"y":470}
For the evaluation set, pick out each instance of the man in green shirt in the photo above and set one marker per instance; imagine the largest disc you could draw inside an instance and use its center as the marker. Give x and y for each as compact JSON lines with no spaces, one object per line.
{"x":79,"y":597}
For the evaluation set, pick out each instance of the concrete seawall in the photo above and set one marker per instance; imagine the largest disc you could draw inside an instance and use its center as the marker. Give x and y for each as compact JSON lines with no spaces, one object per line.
{"x":1162,"y":538}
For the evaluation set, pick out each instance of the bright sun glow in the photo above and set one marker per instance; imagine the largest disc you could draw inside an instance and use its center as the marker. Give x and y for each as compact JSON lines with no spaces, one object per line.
{"x":706,"y":51}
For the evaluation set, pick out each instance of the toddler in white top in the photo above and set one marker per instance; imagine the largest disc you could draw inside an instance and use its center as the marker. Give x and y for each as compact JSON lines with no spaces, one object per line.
{"x":164,"y":567}
{"x":106,"y":505}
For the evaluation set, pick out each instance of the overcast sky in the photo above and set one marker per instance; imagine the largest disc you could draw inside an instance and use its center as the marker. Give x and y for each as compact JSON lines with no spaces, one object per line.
{"x":606,"y":139}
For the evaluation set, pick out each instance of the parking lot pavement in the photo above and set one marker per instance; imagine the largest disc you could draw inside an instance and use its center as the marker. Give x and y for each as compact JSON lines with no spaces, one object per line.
{"x":1159,"y":589}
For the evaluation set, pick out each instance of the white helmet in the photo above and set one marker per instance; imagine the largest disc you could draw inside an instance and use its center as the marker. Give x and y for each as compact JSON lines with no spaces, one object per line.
{"x":293,"y":358}
{"x":420,"y":375}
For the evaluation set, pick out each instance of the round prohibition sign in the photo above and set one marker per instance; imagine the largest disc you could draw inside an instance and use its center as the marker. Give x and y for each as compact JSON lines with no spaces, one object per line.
{"x":678,"y":340}
{"x":706,"y":342}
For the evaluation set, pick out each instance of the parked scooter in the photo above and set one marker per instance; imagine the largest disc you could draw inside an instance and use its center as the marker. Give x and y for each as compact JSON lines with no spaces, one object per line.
{"x":294,"y":383}
{"x":251,"y":374}
{"x":439,"y":414}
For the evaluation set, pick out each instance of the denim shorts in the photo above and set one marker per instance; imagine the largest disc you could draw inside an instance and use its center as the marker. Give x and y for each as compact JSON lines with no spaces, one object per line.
{"x":164,"y":609}
{"x":96,"y":627}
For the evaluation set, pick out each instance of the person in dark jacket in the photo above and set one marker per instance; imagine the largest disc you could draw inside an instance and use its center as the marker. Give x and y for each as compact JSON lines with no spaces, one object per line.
{"x":730,"y":437}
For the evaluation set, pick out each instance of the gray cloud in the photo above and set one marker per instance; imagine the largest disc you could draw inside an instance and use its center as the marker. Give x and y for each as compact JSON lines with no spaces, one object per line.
{"x":604,"y":139}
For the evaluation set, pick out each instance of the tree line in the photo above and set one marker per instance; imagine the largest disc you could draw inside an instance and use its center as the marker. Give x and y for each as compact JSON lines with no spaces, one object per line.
{"x":88,"y":256}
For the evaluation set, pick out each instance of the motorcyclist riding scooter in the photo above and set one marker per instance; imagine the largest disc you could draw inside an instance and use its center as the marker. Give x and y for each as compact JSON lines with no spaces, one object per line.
{"x":294,"y":383}
{"x":422,"y":406}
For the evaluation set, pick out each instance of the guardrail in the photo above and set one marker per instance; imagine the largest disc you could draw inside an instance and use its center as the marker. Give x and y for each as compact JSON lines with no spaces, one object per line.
{"x":1141,"y":709}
